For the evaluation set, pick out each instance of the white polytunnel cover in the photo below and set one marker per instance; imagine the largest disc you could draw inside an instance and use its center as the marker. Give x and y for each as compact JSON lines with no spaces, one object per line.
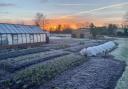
{"x":98,"y":50}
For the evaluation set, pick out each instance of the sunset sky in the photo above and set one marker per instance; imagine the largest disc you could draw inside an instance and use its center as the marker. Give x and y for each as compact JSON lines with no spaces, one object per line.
{"x":64,"y":11}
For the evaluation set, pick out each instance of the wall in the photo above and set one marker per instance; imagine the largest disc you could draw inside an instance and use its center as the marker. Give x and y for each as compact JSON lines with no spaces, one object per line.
{"x":82,"y":33}
{"x":9,"y":39}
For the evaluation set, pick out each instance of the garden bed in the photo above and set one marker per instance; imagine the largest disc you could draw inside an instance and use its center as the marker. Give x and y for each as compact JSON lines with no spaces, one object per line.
{"x":77,"y":48}
{"x":41,"y":73}
{"x":16,"y":53}
{"x":96,"y":73}
{"x":18,"y":63}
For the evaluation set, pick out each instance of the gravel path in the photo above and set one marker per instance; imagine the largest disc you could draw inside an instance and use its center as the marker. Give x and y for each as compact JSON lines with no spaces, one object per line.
{"x":96,"y":73}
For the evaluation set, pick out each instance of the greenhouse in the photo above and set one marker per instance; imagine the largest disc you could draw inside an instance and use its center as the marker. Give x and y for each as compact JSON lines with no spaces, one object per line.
{"x":15,"y":34}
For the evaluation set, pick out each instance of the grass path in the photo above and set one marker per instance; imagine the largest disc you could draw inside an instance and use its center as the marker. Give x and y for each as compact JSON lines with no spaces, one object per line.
{"x":122,"y":54}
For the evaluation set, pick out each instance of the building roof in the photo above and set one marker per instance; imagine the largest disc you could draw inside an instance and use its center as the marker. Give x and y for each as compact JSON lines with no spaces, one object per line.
{"x":17,"y":28}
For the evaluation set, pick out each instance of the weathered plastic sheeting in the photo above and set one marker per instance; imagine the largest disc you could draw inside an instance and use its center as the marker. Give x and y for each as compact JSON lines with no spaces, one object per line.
{"x":9,"y":39}
{"x":17,"y":28}
{"x":3,"y":39}
{"x":28,"y":38}
{"x":38,"y":38}
{"x":43,"y":37}
{"x":98,"y":50}
{"x":23,"y":38}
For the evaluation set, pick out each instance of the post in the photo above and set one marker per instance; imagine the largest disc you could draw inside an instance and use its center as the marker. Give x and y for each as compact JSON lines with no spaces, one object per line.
{"x":26,"y":38}
{"x":1,"y":39}
{"x":12,"y":39}
{"x":17,"y":40}
{"x":22,"y":38}
{"x":40,"y":38}
{"x":47,"y":39}
{"x":33,"y":38}
{"x":37,"y":37}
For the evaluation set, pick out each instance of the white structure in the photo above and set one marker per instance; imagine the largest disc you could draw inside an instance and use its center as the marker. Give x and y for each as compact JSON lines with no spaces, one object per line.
{"x":98,"y":50}
{"x":16,"y":34}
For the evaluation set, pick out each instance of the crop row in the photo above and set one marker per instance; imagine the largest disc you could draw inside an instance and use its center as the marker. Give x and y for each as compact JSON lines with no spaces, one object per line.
{"x":41,"y":73}
{"x":57,"y":46}
{"x":16,"y":53}
{"x":77,"y":48}
{"x":12,"y":65}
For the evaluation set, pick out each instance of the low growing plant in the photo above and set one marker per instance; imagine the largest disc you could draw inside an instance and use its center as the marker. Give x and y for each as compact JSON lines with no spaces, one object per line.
{"x":43,"y":72}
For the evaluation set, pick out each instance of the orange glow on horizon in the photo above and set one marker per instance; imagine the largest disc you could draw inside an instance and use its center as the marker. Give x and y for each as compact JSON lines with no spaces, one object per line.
{"x":75,"y":22}
{"x":54,"y":23}
{"x":65,"y":22}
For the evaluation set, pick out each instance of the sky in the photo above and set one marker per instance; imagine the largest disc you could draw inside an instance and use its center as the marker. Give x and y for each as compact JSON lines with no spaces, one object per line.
{"x":64,"y":11}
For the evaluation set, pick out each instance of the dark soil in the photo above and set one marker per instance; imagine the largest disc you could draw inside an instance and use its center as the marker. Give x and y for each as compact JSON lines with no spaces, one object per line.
{"x":96,"y":73}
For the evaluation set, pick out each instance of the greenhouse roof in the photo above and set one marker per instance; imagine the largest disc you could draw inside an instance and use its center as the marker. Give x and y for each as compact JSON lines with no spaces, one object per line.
{"x":17,"y":28}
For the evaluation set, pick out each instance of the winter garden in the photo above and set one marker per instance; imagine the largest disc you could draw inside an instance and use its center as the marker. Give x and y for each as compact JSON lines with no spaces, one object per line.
{"x":66,"y":60}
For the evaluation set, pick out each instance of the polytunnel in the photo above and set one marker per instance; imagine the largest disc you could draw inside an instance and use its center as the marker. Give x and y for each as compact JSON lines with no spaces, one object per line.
{"x":98,"y":50}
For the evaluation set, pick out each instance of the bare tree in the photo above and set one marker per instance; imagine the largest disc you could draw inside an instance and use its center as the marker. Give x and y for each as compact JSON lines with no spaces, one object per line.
{"x":87,"y":24}
{"x":40,"y":20}
{"x":93,"y":30}
{"x":125,"y":27}
{"x":112,"y":29}
{"x":126,"y":17}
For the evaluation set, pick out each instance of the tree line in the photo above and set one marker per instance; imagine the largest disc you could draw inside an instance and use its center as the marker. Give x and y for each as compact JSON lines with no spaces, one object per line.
{"x":110,"y":29}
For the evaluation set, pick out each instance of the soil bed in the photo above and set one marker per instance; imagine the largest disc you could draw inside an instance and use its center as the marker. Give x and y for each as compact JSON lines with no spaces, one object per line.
{"x":96,"y":73}
{"x":29,"y":68}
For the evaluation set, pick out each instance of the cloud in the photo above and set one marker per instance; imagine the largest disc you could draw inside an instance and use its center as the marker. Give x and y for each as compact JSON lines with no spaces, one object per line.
{"x":43,"y":1}
{"x":103,"y":8}
{"x":89,"y":12}
{"x":72,"y":4}
{"x":113,"y":19}
{"x":7,"y":5}
{"x":4,"y":12}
